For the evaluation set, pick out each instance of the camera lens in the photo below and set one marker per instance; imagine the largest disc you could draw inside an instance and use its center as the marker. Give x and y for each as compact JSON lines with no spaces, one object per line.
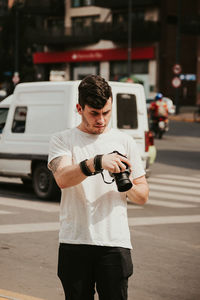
{"x":122,"y":181}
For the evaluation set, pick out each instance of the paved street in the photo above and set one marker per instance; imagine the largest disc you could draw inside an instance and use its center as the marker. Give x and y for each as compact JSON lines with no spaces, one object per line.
{"x":165,"y":232}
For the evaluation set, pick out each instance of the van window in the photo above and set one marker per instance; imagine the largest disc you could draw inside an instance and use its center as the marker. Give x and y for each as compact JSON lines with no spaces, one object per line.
{"x":127,"y":111}
{"x":19,"y":120}
{"x":3,"y":117}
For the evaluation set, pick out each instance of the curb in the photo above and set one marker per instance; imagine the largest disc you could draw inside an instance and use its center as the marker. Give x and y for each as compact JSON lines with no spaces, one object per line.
{"x":182,"y":118}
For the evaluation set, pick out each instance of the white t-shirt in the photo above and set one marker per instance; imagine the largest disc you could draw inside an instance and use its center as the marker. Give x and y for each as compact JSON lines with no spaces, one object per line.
{"x":94,"y":212}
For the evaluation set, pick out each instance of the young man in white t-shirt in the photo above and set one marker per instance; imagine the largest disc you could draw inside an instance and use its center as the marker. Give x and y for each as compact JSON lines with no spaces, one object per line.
{"x":94,"y":234}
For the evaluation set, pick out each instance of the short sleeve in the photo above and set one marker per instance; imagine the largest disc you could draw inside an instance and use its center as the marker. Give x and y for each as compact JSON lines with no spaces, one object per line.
{"x":58,"y":147}
{"x":135,"y":159}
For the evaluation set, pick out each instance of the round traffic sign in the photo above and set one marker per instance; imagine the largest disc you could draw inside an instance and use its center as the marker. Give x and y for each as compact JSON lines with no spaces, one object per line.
{"x":177,"y":69}
{"x":176,"y":82}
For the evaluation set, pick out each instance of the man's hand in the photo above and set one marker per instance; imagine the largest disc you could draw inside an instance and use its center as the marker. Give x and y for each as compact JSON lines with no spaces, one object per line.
{"x":114,"y":163}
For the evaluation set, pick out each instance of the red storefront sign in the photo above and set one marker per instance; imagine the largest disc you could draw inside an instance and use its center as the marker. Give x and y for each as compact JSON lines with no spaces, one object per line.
{"x":93,"y":55}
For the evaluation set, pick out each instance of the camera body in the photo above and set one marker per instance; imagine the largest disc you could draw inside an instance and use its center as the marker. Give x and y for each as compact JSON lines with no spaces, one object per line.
{"x":122,"y":179}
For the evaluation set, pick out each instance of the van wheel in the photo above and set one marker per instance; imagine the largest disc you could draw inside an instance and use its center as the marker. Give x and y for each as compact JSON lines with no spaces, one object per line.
{"x":44,"y":184}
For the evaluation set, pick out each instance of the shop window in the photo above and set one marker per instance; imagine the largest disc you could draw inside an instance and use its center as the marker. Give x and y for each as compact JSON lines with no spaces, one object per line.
{"x":126,"y":111}
{"x":19,"y":121}
{"x":3,"y":117}
{"x":119,"y":69}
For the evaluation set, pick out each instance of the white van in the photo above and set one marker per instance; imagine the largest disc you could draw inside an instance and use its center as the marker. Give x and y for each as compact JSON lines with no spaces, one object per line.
{"x":36,"y":110}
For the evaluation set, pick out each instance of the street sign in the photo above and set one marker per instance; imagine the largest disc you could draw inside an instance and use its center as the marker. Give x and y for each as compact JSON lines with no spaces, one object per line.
{"x":177,"y":69}
{"x":188,"y":77}
{"x":176,"y":82}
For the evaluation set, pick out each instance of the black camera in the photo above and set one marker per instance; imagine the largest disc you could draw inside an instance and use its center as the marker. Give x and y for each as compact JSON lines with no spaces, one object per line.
{"x":122,"y":179}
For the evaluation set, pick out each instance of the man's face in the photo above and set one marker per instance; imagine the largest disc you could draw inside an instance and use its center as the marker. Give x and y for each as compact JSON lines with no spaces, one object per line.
{"x":95,"y":121}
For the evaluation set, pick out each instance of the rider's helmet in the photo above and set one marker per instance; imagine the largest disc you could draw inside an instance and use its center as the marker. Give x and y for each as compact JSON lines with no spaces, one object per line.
{"x":158,"y":96}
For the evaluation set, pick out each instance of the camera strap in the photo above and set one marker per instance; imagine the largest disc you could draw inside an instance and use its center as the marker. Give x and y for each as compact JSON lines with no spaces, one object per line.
{"x":108,"y":182}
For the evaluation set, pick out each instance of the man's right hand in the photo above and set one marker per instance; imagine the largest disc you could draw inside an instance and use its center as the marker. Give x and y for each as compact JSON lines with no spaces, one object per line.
{"x":113,"y":163}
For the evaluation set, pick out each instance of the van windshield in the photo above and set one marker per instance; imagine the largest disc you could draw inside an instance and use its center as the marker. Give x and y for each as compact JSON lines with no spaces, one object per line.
{"x":127,"y":111}
{"x":3,"y":117}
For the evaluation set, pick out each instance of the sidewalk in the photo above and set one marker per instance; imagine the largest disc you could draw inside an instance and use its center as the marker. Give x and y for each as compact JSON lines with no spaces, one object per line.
{"x":185,"y":114}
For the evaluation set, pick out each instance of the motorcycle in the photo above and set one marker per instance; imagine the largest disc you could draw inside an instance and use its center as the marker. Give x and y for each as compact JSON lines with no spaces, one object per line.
{"x":159,"y":126}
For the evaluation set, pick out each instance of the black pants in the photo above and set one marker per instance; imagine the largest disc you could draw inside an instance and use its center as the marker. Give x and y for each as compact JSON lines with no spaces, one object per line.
{"x":81,"y":267}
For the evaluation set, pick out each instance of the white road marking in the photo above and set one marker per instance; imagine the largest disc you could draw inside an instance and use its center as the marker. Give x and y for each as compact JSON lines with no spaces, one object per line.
{"x":28,"y":204}
{"x":30,"y":227}
{"x":179,"y":177}
{"x":164,"y":220}
{"x":54,"y":226}
{"x":170,"y":204}
{"x":134,"y":206}
{"x":176,"y":183}
{"x":5,"y":212}
{"x":177,"y":197}
{"x":171,"y":189}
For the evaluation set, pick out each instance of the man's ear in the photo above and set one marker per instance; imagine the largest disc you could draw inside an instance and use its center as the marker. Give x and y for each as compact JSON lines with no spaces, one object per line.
{"x":79,"y":109}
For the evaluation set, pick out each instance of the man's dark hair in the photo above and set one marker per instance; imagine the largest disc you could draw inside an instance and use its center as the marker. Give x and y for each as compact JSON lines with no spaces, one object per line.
{"x":94,"y":91}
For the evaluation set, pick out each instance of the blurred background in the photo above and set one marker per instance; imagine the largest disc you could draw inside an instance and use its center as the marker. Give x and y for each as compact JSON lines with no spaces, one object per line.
{"x":154,"y":42}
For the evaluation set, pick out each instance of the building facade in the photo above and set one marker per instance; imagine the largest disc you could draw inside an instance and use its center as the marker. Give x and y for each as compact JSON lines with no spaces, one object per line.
{"x":154,"y":42}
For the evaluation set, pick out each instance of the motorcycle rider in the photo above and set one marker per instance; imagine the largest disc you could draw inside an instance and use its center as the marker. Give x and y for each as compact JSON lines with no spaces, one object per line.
{"x":158,"y":110}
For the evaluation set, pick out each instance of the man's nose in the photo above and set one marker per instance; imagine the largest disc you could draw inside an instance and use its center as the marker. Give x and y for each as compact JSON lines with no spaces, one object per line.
{"x":100,"y":119}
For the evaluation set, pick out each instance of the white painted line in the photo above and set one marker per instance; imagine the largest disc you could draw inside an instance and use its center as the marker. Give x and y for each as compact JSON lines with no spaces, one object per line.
{"x":30,"y":227}
{"x":15,"y":296}
{"x":54,"y":226}
{"x":176,"y":183}
{"x":164,"y":220}
{"x":5,"y":212}
{"x":10,"y":179}
{"x":174,"y":189}
{"x":28,"y":204}
{"x":179,"y":177}
{"x":169,"y":204}
{"x":164,"y":195}
{"x":134,"y":206}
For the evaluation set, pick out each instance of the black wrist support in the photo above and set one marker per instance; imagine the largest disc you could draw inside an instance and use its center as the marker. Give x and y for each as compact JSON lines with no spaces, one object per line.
{"x":84,"y":168}
{"x":98,"y":163}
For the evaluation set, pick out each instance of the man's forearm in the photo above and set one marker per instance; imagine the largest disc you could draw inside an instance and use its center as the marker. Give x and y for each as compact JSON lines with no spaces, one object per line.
{"x":65,"y":173}
{"x":69,"y":176}
{"x":139,"y":192}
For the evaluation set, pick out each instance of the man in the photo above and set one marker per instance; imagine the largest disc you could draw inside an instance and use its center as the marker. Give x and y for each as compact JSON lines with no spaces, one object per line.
{"x":158,"y":108}
{"x":158,"y":111}
{"x":94,"y":235}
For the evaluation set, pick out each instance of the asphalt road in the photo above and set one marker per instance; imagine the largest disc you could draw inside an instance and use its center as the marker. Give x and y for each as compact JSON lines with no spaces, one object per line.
{"x":164,"y":233}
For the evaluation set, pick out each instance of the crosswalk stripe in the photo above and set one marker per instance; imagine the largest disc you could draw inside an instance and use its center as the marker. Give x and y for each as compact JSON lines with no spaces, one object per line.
{"x":171,"y":196}
{"x":30,"y":227}
{"x":179,"y":177}
{"x":35,"y":205}
{"x":134,"y":206}
{"x":180,"y":190}
{"x":164,"y":220}
{"x":5,"y":212}
{"x":169,"y":204}
{"x":176,"y":183}
{"x":54,"y":226}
